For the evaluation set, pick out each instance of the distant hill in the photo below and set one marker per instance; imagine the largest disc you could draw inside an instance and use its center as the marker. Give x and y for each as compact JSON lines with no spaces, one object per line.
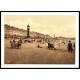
{"x":13,"y":31}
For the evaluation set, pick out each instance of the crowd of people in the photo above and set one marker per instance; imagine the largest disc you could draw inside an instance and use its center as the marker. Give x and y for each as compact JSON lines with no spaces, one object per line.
{"x":70,"y":47}
{"x":17,"y":44}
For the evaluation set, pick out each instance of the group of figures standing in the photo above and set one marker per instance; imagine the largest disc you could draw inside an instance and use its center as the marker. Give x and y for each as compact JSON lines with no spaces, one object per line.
{"x":70,"y":47}
{"x":16,"y":44}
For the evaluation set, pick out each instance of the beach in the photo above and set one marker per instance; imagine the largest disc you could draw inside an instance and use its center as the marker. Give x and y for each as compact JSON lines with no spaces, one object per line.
{"x":31,"y":54}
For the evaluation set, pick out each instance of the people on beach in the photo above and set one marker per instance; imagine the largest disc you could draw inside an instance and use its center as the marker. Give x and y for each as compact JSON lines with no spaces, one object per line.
{"x":39,"y":46}
{"x":59,"y":45}
{"x":19,"y":43}
{"x":46,"y":45}
{"x":70,"y":49}
{"x":74,"y":46}
{"x":49,"y":45}
{"x":15,"y":44}
{"x":11,"y":43}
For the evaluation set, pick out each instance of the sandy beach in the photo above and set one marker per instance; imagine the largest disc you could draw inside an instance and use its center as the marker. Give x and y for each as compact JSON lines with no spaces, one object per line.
{"x":30,"y":54}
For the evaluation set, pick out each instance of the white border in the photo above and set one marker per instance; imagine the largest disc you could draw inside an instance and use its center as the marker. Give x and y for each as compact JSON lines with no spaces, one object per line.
{"x":76,"y":65}
{"x":39,"y":13}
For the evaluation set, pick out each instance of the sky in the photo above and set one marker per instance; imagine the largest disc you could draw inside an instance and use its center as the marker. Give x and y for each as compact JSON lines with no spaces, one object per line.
{"x":58,"y":25}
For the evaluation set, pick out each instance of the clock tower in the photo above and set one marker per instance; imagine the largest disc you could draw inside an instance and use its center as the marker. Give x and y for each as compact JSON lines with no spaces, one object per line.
{"x":28,"y":31}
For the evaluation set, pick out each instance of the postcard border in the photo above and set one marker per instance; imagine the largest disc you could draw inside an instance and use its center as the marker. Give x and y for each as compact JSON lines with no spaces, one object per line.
{"x":36,"y":67}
